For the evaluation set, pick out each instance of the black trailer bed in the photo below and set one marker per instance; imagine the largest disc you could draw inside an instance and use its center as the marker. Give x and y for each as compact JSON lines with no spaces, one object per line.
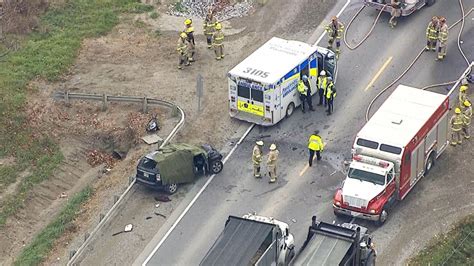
{"x":238,"y":243}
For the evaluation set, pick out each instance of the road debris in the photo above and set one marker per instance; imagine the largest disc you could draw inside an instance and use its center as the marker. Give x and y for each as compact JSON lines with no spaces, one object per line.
{"x":128,"y":228}
{"x":96,"y":157}
{"x":63,"y":195}
{"x":159,"y":214}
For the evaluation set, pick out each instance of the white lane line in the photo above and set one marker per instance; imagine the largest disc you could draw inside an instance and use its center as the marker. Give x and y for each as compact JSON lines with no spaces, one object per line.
{"x":225,"y":160}
{"x":195,"y":198}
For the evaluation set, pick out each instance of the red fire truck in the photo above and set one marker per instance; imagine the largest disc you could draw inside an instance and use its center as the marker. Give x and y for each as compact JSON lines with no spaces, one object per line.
{"x":392,"y":152}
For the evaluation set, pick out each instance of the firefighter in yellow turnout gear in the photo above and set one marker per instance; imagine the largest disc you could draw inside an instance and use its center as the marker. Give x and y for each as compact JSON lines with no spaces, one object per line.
{"x":218,"y":42}
{"x":189,"y":30}
{"x":442,"y":38}
{"x":335,"y":30}
{"x":463,"y":92}
{"x":209,"y":27}
{"x":257,"y":156}
{"x":182,"y":49}
{"x":456,"y":127}
{"x":315,"y":145}
{"x":272,"y":163}
{"x":467,"y":115}
{"x":432,"y":34}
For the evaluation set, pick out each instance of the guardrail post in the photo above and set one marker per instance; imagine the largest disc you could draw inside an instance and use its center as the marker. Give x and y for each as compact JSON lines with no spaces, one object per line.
{"x":86,"y":236}
{"x":130,"y":179}
{"x":66,"y":97}
{"x":116,"y":198}
{"x":71,"y":254}
{"x":104,"y":102}
{"x":145,"y":105}
{"x":101,"y":217}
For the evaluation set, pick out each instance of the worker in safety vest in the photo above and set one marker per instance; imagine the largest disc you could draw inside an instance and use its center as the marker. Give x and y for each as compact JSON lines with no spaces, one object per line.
{"x":183,"y":50}
{"x":463,"y":92}
{"x":442,"y":38}
{"x":309,"y":97}
{"x":322,"y":85}
{"x":335,"y":30}
{"x":209,"y":27}
{"x":467,"y":115}
{"x":432,"y":34}
{"x":218,"y":42}
{"x":303,"y":91}
{"x":315,"y":145}
{"x":257,"y":157}
{"x":330,"y":95}
{"x":189,"y":30}
{"x":395,"y":12}
{"x":456,"y":127}
{"x":272,"y":163}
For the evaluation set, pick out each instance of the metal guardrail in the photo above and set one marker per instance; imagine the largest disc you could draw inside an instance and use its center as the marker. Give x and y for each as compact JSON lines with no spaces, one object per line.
{"x":105,"y":99}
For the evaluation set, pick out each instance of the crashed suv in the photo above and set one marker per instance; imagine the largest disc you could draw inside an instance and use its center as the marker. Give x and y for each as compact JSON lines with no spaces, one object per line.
{"x":176,"y":164}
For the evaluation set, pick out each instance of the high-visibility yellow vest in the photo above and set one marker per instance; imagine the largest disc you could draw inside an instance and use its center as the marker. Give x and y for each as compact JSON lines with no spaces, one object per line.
{"x":209,"y":26}
{"x":315,"y":143}
{"x":329,"y":92}
{"x":432,"y":31}
{"x":323,"y":83}
{"x":302,"y":88}
{"x":456,"y":122}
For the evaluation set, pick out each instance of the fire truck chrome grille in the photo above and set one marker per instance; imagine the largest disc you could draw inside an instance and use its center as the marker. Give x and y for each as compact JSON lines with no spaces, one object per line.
{"x":355,"y":202}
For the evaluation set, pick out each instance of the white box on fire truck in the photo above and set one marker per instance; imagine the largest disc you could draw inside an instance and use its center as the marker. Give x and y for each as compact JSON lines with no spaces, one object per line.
{"x":262,"y":88}
{"x":393,"y":150}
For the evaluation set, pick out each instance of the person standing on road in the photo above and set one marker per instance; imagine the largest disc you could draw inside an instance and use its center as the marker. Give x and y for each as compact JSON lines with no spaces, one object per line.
{"x":272,"y":163}
{"x":456,"y":122}
{"x":467,"y":115}
{"x":209,"y":27}
{"x":322,"y":85}
{"x":257,"y":158}
{"x":335,"y":30}
{"x":432,"y":34}
{"x":315,"y":145}
{"x":303,"y":91}
{"x":309,"y":97}
{"x":183,"y":51}
{"x":218,"y":42}
{"x":442,"y":38}
{"x":330,"y":95}
{"x":395,"y":13}
{"x":463,"y":92}
{"x":189,"y":30}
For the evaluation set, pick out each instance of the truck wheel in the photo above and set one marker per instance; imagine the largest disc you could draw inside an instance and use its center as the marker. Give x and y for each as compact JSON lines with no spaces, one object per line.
{"x":216,"y":167}
{"x":338,"y":215}
{"x":171,"y":188}
{"x":289,"y":109}
{"x":430,"y":163}
{"x":383,"y":217}
{"x":430,"y":2}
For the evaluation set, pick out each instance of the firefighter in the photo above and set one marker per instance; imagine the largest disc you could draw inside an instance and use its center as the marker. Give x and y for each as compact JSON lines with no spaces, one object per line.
{"x":395,"y":13}
{"x":322,"y":85}
{"x":189,"y":30}
{"x":183,"y":50}
{"x":218,"y":42}
{"x":467,"y":114}
{"x":257,"y":158}
{"x":209,"y":27}
{"x":303,"y":91}
{"x":432,"y":34}
{"x":315,"y":145}
{"x":335,"y":30}
{"x":330,"y":95}
{"x":442,"y":38}
{"x":309,"y":98}
{"x":463,"y":92}
{"x":272,"y":163}
{"x":456,"y":127}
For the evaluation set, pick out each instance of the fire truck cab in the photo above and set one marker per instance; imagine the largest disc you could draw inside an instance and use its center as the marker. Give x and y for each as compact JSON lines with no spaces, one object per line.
{"x":392,"y":152}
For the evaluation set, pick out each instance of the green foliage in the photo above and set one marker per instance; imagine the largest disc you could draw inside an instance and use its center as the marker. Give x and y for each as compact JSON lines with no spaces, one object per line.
{"x":39,"y":249}
{"x":453,"y":248}
{"x":178,"y":6}
{"x":154,"y":15}
{"x":137,"y":7}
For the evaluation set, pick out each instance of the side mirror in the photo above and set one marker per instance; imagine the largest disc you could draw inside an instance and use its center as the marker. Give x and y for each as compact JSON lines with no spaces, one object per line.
{"x":287,"y":232}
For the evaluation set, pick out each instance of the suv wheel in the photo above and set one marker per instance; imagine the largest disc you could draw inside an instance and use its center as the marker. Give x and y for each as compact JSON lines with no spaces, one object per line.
{"x":216,"y":167}
{"x":171,"y":188}
{"x":430,"y":2}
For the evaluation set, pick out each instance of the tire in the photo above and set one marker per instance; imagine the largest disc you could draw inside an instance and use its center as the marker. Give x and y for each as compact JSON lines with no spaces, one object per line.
{"x":383,"y":217}
{"x":290,"y":109}
{"x":171,"y":188}
{"x":430,"y":2}
{"x":429,"y":163}
{"x":290,"y":254}
{"x":338,"y":215}
{"x":216,"y":167}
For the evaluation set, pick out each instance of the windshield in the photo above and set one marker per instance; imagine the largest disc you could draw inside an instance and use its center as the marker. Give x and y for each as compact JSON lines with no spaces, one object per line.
{"x":366,"y":176}
{"x":148,"y":163}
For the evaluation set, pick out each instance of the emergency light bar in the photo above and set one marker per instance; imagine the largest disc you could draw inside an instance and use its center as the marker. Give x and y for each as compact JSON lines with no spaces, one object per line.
{"x":370,"y":160}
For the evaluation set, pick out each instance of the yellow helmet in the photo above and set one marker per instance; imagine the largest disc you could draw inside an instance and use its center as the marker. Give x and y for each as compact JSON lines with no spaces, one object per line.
{"x":457,"y":111}
{"x":188,"y":21}
{"x":183,"y":35}
{"x":463,"y":88}
{"x":218,"y":26}
{"x":467,"y":103}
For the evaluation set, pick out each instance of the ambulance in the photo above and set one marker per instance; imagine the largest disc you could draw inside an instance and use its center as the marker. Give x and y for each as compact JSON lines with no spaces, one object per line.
{"x":263,"y":87}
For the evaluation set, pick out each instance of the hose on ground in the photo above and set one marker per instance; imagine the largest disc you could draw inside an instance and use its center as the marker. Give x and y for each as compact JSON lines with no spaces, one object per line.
{"x":368,"y":33}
